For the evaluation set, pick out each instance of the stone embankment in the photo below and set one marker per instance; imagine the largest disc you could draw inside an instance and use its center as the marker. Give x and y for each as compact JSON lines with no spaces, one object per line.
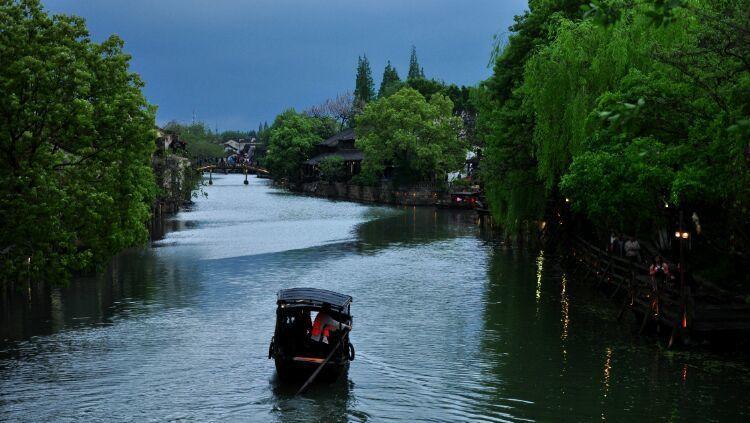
{"x":415,"y":196}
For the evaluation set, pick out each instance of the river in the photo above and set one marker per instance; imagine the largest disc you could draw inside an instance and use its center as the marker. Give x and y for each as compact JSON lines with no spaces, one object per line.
{"x":449,"y":325}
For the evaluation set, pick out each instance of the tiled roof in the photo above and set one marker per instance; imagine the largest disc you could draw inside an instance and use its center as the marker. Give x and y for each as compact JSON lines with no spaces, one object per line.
{"x":347,"y":155}
{"x":345,"y":135}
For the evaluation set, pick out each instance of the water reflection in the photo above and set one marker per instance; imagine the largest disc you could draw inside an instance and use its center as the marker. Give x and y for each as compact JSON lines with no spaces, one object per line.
{"x":322,"y":403}
{"x":450,"y":325}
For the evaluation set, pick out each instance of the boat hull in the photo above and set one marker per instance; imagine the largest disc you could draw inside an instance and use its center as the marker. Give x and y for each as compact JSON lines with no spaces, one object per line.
{"x":291,"y":370}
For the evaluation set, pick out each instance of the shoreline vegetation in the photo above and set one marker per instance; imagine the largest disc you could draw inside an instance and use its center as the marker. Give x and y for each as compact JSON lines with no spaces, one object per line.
{"x":601,"y":118}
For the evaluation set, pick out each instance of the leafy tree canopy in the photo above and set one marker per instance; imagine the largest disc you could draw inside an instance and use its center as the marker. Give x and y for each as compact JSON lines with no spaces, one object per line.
{"x":391,"y":81}
{"x":419,"y":138}
{"x":415,"y":71}
{"x":201,"y":142}
{"x":332,"y":169}
{"x":292,"y":140}
{"x":76,"y":138}
{"x":631,"y":109}
{"x":364,"y":88}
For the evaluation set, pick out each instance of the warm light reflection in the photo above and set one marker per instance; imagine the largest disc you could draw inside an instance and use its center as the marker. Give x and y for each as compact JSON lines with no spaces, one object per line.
{"x":607,"y":370}
{"x":565,"y":308}
{"x":539,"y":270}
{"x":684,"y":373}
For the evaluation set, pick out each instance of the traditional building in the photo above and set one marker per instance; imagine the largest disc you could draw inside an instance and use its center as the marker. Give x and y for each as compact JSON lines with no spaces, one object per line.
{"x":168,"y":140}
{"x":339,"y":145}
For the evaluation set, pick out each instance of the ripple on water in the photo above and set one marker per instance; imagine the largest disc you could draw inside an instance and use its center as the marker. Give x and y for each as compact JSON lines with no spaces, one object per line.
{"x":447,"y":326}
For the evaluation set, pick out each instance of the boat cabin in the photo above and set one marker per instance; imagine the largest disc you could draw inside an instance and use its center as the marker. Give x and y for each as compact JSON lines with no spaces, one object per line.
{"x":296,"y":352}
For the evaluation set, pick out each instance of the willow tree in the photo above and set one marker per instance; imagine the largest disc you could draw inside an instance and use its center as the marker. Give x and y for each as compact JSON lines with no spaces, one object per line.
{"x":76,"y":137}
{"x":506,"y":120}
{"x":673,"y":132}
{"x":564,"y":80}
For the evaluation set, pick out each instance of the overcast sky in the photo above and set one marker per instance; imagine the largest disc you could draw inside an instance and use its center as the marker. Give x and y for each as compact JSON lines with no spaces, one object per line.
{"x":237,"y":63}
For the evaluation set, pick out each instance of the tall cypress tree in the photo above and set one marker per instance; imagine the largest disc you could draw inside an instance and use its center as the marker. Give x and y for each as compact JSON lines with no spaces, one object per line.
{"x":415,"y":71}
{"x":390,"y":79}
{"x":364,"y":89}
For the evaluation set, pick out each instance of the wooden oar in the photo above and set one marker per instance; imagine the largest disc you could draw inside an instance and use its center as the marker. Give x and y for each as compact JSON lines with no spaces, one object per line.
{"x":315,"y":373}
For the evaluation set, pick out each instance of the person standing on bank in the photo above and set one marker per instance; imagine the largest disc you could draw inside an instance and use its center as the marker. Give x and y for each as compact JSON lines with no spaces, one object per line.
{"x":633,"y":250}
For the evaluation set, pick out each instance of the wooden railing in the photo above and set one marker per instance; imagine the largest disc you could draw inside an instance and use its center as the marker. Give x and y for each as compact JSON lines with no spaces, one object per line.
{"x":696,"y":309}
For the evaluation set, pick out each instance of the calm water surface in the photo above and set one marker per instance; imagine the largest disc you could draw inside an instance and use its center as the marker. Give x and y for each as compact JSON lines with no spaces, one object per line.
{"x":449,"y":326}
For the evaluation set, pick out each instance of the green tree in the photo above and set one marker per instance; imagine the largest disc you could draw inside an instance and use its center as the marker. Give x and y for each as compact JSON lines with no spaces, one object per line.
{"x":673,"y":121}
{"x":364,"y":88}
{"x":420,"y":139}
{"x":291,"y":141}
{"x":415,"y":71}
{"x":391,"y":81}
{"x":631,"y":112}
{"x":76,"y":138}
{"x":201,"y":142}
{"x":332,"y":169}
{"x":505,"y":122}
{"x":263,"y":133}
{"x":232,"y":135}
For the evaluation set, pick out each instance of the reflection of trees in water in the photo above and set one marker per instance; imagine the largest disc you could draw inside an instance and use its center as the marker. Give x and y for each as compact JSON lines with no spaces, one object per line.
{"x":129,"y":283}
{"x":554,"y":342}
{"x":415,"y":226}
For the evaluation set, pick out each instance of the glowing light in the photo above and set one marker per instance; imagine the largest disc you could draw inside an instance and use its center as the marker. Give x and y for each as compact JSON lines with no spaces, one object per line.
{"x":565,"y":309}
{"x":684,"y":373}
{"x":539,"y":270}
{"x":607,"y":370}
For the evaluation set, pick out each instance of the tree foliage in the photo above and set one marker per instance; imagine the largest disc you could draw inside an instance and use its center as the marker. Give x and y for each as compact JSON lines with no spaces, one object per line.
{"x":291,"y":141}
{"x":391,"y":81}
{"x":415,"y":71}
{"x":505,"y":120}
{"x":76,"y":138}
{"x":364,"y":88}
{"x":201,"y":142}
{"x":630,"y":108}
{"x":418,"y":138}
{"x":332,"y":169}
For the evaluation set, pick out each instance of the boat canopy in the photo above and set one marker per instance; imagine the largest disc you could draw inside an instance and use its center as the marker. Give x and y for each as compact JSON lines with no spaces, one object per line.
{"x":314,"y":297}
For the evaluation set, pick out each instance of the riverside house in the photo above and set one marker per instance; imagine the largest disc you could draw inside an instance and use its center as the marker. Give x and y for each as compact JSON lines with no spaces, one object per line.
{"x":341,"y":145}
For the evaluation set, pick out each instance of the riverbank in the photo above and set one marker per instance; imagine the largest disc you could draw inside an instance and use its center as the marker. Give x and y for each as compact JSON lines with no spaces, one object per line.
{"x":385,"y":194}
{"x":175,"y":180}
{"x":450,"y":324}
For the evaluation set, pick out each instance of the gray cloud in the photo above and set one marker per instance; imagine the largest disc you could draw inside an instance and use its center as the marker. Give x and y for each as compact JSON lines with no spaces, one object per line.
{"x":240,"y":62}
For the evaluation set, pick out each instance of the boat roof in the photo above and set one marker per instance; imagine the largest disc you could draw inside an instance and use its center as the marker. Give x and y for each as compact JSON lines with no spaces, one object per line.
{"x":313,"y":296}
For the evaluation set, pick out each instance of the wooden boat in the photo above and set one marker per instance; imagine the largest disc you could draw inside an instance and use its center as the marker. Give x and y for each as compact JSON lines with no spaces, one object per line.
{"x":294,"y":351}
{"x":471,"y":200}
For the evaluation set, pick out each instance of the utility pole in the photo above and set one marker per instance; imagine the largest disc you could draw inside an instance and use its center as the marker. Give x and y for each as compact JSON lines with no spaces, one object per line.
{"x":193,"y":116}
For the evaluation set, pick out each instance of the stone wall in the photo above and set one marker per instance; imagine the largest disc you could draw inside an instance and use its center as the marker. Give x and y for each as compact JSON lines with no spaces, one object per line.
{"x":175,"y":180}
{"x":382,"y":194}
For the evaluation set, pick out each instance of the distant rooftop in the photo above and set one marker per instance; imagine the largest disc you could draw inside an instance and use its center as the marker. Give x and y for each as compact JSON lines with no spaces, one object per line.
{"x":345,"y":135}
